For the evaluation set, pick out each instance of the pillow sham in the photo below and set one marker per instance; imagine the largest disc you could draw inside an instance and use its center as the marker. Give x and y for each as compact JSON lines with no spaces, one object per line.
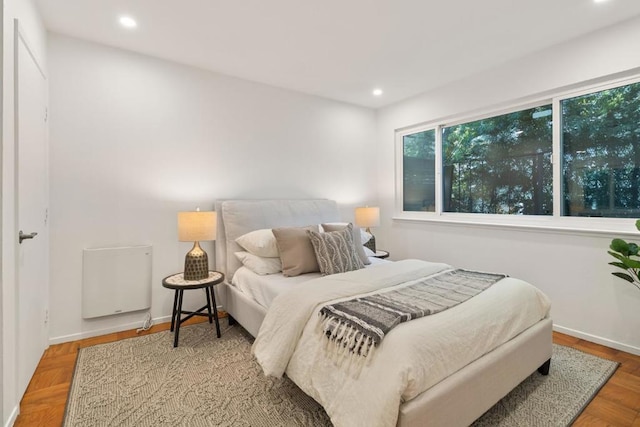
{"x":259,"y":242}
{"x":335,"y":251}
{"x":296,"y":251}
{"x":357,"y":232}
{"x":259,"y":265}
{"x":363,"y":237}
{"x":368,"y":252}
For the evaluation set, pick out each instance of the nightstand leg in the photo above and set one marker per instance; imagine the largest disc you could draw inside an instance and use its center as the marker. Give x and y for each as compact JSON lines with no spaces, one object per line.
{"x":215,"y":311}
{"x":208,"y":291}
{"x":173,"y":313}
{"x":178,"y":315}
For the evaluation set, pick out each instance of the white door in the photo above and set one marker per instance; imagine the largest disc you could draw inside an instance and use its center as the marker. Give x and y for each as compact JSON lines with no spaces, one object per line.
{"x":32,"y":201}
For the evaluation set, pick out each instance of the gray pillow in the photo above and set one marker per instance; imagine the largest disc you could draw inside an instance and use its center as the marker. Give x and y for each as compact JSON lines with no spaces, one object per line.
{"x":356,"y":239}
{"x":296,"y":251}
{"x":335,"y":251}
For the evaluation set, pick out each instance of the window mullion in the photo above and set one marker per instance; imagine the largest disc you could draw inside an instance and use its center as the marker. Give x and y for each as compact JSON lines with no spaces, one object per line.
{"x":438,"y":170}
{"x":557,"y":158}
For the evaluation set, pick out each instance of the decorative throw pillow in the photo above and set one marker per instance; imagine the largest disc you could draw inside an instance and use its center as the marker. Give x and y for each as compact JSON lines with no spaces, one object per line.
{"x":296,"y":251}
{"x":335,"y":251}
{"x":357,"y":232}
{"x":259,"y":242}
{"x":259,"y":265}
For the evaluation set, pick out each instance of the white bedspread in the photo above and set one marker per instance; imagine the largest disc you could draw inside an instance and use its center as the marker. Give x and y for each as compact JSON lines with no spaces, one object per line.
{"x":265,"y":288}
{"x":413,"y":356}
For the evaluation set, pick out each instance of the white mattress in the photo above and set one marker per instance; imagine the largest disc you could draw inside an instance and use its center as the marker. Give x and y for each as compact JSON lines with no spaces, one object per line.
{"x":263,"y":289}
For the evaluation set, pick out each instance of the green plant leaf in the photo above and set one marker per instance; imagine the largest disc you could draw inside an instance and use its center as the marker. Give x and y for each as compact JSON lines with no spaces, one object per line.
{"x":619,"y":265}
{"x":631,"y":263}
{"x":623,"y":276}
{"x":628,"y":262}
{"x":620,"y":246}
{"x":616,"y":255}
{"x":622,"y":251}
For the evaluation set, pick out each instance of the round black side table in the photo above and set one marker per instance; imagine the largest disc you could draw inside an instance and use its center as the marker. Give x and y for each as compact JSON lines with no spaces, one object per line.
{"x":177,"y":282}
{"x":381,"y":254}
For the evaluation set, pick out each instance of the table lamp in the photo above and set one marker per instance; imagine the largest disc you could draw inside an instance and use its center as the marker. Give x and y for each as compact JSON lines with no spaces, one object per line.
{"x":368,"y":217}
{"x":196,"y":227}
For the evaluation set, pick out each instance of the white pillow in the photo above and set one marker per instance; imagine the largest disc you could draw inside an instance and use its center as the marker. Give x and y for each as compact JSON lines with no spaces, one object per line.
{"x":368,"y":252}
{"x":259,"y":265}
{"x":260,"y":242}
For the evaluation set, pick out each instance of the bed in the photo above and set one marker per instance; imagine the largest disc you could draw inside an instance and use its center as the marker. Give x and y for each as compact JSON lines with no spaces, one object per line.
{"x":458,"y":398}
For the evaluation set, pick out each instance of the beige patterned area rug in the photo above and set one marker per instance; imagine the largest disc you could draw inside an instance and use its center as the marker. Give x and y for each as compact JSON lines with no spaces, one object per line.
{"x":206,"y":381}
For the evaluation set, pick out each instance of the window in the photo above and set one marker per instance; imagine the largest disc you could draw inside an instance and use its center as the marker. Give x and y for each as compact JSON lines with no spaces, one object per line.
{"x":419,"y":170}
{"x":601,"y":153}
{"x":503,"y":164}
{"x":499,"y":165}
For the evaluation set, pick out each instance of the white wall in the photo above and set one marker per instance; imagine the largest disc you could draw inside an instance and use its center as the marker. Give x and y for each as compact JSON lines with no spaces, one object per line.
{"x":570,"y":267}
{"x":31,"y":26}
{"x":134,"y":140}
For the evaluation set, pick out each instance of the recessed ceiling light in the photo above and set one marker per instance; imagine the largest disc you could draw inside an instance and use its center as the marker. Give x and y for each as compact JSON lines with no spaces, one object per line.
{"x":128,"y":22}
{"x":377,"y":92}
{"x":599,"y":1}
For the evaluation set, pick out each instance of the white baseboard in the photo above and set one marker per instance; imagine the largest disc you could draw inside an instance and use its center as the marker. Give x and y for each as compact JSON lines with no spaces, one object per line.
{"x":598,"y":340}
{"x":13,"y":417}
{"x":105,"y":331}
{"x":110,"y":330}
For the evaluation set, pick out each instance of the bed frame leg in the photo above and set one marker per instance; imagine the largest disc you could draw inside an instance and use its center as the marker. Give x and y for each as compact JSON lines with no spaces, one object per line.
{"x":232,"y":321}
{"x":544,"y":369}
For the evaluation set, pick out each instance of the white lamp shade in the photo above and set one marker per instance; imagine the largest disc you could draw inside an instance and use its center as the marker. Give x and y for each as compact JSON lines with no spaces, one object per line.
{"x":197,"y":226}
{"x":367,"y":217}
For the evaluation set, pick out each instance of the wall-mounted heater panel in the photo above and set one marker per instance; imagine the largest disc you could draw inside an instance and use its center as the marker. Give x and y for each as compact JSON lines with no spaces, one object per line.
{"x":115,"y":280}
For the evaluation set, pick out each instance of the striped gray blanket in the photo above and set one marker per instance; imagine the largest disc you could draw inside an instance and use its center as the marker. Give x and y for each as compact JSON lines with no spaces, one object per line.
{"x":358,"y":325}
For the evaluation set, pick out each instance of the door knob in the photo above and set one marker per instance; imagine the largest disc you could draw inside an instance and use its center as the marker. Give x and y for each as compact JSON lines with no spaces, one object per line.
{"x":22,"y":236}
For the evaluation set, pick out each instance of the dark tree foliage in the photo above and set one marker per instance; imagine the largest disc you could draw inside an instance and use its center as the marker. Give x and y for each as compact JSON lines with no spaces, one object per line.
{"x":601,"y":153}
{"x":500,"y":165}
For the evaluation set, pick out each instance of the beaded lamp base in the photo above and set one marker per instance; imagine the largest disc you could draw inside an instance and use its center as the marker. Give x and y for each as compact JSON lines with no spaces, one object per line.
{"x":196,"y":264}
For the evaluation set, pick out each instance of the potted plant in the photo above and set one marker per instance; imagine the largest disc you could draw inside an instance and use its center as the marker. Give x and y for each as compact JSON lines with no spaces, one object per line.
{"x":628,"y":259}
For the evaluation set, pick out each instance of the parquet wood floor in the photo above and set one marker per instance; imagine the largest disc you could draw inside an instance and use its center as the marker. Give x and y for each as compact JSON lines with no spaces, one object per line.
{"x":616,"y":404}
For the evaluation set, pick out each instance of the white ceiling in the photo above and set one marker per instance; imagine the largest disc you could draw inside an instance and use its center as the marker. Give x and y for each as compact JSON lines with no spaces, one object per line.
{"x":338,"y":49}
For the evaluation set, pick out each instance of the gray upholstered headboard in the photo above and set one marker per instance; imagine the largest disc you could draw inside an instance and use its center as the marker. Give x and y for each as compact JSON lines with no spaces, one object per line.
{"x":238,"y":217}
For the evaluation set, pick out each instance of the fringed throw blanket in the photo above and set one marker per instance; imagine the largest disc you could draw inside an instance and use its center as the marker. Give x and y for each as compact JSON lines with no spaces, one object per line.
{"x":358,"y":325}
